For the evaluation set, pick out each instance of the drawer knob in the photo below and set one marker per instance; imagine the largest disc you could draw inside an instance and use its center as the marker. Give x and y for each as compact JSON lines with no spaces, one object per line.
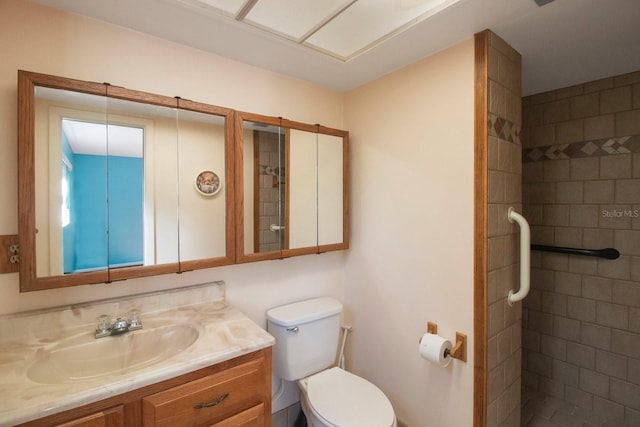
{"x":212,"y":403}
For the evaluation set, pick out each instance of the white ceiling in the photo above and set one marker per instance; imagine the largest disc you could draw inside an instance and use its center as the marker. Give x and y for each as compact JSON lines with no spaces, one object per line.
{"x":562,"y":43}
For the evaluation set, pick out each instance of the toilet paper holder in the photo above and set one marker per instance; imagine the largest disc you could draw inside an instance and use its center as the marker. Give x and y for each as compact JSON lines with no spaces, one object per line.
{"x":459,"y":349}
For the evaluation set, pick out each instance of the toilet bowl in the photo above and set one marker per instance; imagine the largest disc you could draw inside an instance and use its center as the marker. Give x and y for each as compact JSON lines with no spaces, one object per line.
{"x":307,"y":334}
{"x":337,"y":398}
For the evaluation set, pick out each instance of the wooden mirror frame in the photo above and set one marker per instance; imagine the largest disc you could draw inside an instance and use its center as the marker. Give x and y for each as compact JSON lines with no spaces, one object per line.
{"x":27,"y":82}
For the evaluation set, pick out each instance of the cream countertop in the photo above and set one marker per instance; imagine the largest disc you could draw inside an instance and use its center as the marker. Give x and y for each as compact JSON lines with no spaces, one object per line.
{"x":224,"y":333}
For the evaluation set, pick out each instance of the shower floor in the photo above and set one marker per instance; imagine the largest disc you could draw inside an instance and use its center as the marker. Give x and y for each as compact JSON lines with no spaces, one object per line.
{"x":540,"y":410}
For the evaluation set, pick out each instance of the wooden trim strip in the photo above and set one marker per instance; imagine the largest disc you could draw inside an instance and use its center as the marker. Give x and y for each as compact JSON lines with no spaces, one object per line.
{"x":480,"y":229}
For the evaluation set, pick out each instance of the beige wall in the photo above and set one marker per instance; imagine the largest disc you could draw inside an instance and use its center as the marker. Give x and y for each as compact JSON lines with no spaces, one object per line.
{"x":37,"y":38}
{"x":411,"y":257}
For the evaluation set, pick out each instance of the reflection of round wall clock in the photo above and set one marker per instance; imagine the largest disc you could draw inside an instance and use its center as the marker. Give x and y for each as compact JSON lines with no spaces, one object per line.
{"x":208,"y":183}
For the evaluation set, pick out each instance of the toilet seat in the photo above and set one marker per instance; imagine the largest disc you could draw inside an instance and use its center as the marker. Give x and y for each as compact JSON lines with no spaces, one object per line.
{"x":340,"y":398}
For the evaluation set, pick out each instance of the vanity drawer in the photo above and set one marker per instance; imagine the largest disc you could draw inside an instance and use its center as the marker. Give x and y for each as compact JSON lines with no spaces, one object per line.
{"x":250,"y":418}
{"x":208,"y":400}
{"x":113,"y":417}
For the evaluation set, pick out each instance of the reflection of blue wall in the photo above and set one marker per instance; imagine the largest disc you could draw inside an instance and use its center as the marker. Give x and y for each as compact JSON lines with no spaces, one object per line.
{"x":125,"y":211}
{"x":90,"y":208}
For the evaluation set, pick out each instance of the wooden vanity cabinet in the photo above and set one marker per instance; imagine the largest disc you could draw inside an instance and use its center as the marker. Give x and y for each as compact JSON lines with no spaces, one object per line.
{"x":234,"y":393}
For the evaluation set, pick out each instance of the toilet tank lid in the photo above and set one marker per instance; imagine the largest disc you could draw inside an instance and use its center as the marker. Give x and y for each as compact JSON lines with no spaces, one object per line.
{"x":301,"y":312}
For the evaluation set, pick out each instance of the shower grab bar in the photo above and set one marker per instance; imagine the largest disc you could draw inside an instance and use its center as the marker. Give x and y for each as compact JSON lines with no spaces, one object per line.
{"x":525,"y":257}
{"x":608,"y":253}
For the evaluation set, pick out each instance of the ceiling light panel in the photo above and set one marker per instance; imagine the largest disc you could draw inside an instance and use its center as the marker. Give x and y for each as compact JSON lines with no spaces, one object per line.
{"x":369,"y":22}
{"x":293,"y":19}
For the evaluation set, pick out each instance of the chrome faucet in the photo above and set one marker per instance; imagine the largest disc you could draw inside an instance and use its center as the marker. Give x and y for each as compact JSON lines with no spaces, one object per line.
{"x":105,"y":327}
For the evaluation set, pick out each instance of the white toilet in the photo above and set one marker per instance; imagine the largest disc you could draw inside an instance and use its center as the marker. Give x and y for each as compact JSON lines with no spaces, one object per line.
{"x":307,"y":335}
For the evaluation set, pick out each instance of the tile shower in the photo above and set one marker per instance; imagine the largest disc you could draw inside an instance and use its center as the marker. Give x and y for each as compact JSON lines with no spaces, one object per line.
{"x":581,"y":188}
{"x":270,"y":177}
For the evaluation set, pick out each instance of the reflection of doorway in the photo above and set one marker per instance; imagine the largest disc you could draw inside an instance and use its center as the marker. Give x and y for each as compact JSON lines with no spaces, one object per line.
{"x":269,"y":193}
{"x":103,"y":213}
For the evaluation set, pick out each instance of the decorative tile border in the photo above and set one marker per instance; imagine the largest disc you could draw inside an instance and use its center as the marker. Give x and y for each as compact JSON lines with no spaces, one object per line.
{"x":271,"y":170}
{"x":599,"y":147}
{"x":502,"y":128}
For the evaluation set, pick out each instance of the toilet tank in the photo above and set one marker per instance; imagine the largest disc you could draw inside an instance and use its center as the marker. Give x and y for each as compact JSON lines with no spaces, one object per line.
{"x":307,"y":335}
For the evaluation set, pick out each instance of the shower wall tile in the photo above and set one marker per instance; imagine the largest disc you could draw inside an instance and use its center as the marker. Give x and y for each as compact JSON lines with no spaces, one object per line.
{"x":584,"y":169}
{"x":581,"y":309}
{"x":581,"y":188}
{"x":626,"y":79}
{"x":594,"y":383}
{"x":615,"y":167}
{"x":611,"y":364}
{"x":633,"y":372}
{"x":601,"y":191}
{"x":569,"y":192}
{"x":628,"y":123}
{"x":567,"y":283}
{"x":625,"y":393}
{"x":578,"y":397}
{"x":581,"y":355}
{"x":627,"y":192}
{"x":627,"y":343}
{"x":597,"y":288}
{"x":607,"y":409}
{"x":569,"y":131}
{"x":598,"y":127}
{"x":598,"y":85}
{"x":634,"y":319}
{"x":557,"y":171}
{"x":614,"y":100}
{"x":597,"y":237}
{"x":584,"y":105}
{"x":567,"y":236}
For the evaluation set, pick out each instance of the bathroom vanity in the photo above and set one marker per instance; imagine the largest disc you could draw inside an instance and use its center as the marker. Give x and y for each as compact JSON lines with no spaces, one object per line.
{"x":190,"y":364}
{"x":231,"y":393}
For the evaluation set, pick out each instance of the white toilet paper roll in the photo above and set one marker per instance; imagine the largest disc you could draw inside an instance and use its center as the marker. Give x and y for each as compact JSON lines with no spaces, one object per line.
{"x":432,"y":348}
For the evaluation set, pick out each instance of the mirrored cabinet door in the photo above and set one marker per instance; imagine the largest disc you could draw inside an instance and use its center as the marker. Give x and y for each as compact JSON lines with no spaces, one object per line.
{"x":142,"y":184}
{"x":260,"y":192}
{"x":70,"y":169}
{"x":206,"y":186}
{"x":333,"y":212}
{"x":302,"y":191}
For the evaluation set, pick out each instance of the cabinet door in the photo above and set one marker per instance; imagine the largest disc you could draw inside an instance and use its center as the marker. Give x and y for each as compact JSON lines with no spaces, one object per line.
{"x":113,"y":417}
{"x":252,"y":417}
{"x":208,"y":400}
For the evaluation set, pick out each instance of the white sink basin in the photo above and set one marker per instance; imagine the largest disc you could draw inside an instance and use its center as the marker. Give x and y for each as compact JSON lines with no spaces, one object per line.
{"x":73,"y":361}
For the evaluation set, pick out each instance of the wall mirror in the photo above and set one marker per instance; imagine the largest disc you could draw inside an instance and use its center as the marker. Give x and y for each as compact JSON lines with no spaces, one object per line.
{"x":291,"y":192}
{"x":108,"y":183}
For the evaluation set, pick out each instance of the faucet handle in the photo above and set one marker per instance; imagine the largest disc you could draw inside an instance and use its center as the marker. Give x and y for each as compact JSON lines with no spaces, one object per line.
{"x":134,"y":319}
{"x":103,"y":326}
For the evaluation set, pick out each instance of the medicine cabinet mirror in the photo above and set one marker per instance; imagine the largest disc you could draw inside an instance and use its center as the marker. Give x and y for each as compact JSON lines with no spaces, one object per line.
{"x":292,"y":192}
{"x":115,"y":183}
{"x":107,"y":183}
